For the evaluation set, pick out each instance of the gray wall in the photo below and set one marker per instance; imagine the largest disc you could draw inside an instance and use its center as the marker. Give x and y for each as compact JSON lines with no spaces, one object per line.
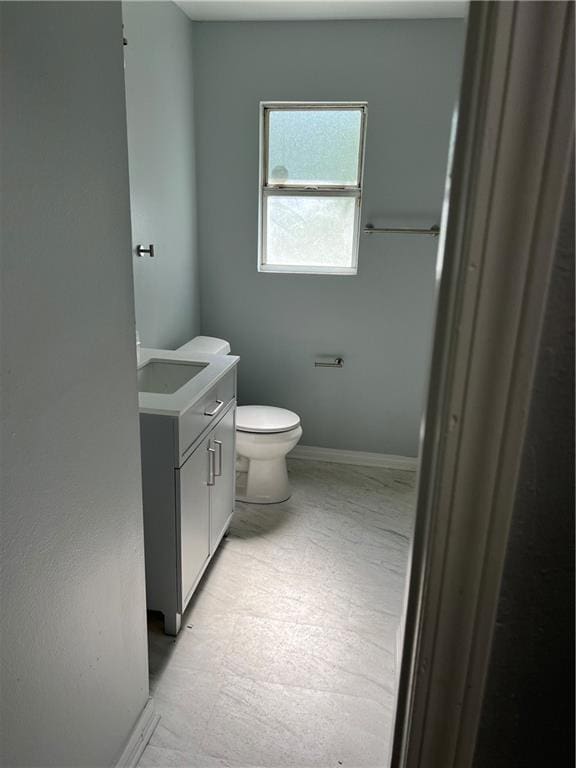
{"x":73,"y":633}
{"x":159,"y":100}
{"x":527,"y":716}
{"x":379,"y":321}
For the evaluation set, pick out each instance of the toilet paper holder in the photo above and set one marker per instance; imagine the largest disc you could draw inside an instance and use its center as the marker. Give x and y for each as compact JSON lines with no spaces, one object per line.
{"x":329,"y":362}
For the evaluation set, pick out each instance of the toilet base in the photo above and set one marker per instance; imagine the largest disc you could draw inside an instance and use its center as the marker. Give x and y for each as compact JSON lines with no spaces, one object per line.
{"x":261,"y":463}
{"x":265,"y":482}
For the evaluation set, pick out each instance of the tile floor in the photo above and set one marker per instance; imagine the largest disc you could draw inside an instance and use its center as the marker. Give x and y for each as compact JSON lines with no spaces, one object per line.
{"x":286,"y":658}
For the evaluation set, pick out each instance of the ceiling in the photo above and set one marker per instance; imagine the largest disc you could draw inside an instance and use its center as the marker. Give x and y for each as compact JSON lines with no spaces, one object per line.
{"x":285,"y":10}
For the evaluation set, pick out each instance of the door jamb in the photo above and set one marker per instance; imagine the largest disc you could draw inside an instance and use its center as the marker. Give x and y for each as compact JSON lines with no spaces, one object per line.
{"x":511,"y":157}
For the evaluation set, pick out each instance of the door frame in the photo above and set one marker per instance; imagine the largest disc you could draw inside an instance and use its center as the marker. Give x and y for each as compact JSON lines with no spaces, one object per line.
{"x":507,"y":176}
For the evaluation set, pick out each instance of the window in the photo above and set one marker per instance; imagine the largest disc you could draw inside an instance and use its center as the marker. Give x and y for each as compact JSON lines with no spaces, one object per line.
{"x":311,"y":187}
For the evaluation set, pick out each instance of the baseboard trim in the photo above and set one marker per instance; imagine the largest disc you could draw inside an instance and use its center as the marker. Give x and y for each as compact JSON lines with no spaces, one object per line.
{"x":140,"y":736}
{"x":360,"y":458}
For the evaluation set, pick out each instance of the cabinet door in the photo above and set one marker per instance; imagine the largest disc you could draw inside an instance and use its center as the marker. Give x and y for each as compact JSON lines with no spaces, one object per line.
{"x":193,"y":479}
{"x":222,"y":498}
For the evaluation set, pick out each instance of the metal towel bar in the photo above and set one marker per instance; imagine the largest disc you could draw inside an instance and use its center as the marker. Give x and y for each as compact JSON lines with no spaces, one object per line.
{"x":370,"y":230}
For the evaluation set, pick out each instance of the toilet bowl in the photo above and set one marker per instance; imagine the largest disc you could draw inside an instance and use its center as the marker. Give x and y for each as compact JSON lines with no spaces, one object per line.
{"x":264,"y":435}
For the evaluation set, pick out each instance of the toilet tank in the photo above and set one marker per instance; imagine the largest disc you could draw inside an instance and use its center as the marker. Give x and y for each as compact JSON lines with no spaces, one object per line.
{"x":206,"y":345}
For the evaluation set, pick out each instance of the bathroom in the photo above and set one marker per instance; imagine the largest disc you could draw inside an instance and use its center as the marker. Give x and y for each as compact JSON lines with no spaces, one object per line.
{"x":383,"y":607}
{"x":294,"y":627}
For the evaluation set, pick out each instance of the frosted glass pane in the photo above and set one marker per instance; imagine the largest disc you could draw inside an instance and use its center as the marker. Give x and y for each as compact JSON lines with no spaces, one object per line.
{"x":310,"y":231}
{"x":307,"y":146}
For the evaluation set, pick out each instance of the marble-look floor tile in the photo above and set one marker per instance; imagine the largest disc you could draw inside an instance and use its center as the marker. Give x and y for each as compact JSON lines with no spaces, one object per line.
{"x":185,"y":700}
{"x":274,"y":725}
{"x":162,"y":757}
{"x":313,"y":657}
{"x":202,"y":646}
{"x":287,"y":651}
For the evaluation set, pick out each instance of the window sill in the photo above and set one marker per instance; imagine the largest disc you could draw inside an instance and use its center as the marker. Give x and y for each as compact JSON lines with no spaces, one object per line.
{"x":281,"y":270}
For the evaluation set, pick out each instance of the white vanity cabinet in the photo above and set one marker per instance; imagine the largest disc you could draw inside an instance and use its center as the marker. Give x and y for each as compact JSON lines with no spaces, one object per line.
{"x":222,"y":490}
{"x":193,"y":516}
{"x":188,"y":475}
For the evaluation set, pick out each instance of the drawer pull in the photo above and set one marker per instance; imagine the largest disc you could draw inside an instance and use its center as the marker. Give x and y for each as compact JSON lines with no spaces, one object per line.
{"x":219,"y":470}
{"x":214,"y":411}
{"x":211,"y":462}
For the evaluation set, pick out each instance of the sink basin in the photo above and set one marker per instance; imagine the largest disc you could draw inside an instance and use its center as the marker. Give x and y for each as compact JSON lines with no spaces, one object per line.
{"x":164,"y":377}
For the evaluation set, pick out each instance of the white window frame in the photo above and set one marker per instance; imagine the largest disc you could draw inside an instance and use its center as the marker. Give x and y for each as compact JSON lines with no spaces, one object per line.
{"x":293,"y":190}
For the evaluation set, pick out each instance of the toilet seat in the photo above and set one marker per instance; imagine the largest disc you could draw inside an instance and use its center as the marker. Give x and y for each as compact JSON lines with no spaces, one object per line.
{"x":265,"y":419}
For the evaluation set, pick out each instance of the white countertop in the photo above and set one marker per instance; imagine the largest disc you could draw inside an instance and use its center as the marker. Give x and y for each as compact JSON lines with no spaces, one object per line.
{"x":178,"y":402}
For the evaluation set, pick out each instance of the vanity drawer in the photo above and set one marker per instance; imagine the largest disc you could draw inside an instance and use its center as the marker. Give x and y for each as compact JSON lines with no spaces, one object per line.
{"x":208,"y":409}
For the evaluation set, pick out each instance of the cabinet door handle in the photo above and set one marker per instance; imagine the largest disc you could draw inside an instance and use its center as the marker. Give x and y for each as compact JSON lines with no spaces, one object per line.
{"x":214,"y":411}
{"x":219,"y":444}
{"x":211,"y":457}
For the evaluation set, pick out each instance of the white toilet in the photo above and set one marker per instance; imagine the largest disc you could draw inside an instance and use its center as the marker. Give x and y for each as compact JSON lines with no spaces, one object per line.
{"x":206,"y":345}
{"x":264,"y":435}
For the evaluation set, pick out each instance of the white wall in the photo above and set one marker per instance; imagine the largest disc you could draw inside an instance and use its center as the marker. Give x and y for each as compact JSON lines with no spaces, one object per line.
{"x":72,"y":604}
{"x":380,"y":322}
{"x":159,"y":101}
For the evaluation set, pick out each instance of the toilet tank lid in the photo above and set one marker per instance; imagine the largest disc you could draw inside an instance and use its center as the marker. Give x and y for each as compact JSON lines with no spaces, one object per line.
{"x":206,"y":345}
{"x":265,"y":418}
